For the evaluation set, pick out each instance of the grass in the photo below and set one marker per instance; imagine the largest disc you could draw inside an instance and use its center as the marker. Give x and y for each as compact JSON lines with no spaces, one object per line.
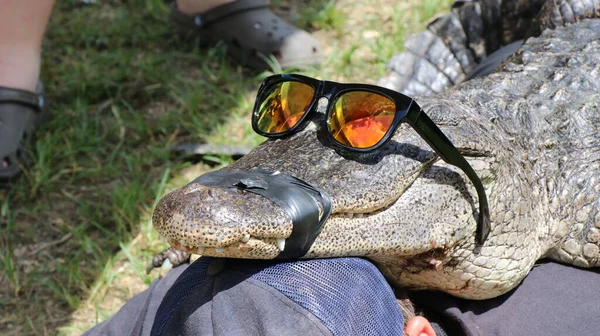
{"x":76,"y":234}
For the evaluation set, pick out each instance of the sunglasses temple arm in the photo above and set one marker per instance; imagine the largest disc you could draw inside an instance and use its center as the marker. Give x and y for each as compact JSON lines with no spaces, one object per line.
{"x":446,"y":150}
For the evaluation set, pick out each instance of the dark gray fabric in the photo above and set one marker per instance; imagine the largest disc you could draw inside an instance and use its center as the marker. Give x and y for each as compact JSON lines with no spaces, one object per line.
{"x":553,"y":299}
{"x":438,"y":329}
{"x":284,"y":316}
{"x":349,"y":295}
{"x":240,"y":309}
{"x":338,"y":296}
{"x":136,"y":317}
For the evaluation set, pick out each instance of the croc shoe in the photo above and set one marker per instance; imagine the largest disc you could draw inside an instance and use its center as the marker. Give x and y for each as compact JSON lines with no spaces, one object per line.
{"x":251,"y":32}
{"x":20,"y":112}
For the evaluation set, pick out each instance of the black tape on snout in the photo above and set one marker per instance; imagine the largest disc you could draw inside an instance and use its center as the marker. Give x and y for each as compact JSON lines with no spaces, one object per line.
{"x":299,"y":199}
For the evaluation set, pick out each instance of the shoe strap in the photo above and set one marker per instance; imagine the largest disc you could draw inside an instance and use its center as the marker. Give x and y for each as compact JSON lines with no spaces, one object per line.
{"x":10,"y":95}
{"x":218,"y":13}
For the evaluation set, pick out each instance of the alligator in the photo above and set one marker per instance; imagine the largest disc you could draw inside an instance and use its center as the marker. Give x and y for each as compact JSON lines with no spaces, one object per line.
{"x":531,"y":131}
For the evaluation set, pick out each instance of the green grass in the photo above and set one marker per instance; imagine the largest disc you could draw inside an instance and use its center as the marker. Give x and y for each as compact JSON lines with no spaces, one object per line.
{"x":76,"y":234}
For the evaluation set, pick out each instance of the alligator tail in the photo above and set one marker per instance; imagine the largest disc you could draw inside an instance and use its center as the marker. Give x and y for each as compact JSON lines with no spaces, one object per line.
{"x":454,"y":44}
{"x":559,"y":13}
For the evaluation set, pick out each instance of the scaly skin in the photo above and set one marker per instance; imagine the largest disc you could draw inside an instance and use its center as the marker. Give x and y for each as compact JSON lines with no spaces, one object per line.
{"x":454,"y":43}
{"x":532,"y":133}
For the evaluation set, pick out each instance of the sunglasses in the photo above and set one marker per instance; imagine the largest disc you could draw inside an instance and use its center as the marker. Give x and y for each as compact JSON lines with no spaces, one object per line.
{"x":359,"y":117}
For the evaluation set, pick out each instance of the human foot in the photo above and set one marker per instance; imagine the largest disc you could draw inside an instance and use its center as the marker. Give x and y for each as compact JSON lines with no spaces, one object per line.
{"x":251,"y":31}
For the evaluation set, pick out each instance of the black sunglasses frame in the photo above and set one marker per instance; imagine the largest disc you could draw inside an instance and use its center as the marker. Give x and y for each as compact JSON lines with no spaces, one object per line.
{"x":407,"y":110}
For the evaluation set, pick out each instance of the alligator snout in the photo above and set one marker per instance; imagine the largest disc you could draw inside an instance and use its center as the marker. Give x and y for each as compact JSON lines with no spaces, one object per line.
{"x":214,"y":221}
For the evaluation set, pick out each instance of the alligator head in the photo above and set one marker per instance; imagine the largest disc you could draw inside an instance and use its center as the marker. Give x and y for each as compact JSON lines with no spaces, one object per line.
{"x":531,"y":131}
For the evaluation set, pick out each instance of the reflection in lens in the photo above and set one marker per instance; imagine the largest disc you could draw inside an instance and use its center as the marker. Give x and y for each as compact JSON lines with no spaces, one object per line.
{"x":283,"y":106}
{"x":360,"y":119}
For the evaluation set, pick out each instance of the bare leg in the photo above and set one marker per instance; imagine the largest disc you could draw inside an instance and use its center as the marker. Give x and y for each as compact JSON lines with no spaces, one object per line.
{"x":199,"y":6}
{"x":22,"y":26}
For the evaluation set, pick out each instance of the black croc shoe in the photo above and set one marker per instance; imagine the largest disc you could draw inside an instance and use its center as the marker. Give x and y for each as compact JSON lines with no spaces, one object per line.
{"x":251,"y":32}
{"x":20,"y":112}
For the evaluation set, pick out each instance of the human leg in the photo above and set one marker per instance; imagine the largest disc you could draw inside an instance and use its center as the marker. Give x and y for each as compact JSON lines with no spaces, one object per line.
{"x":22,"y":26}
{"x":342,"y":296}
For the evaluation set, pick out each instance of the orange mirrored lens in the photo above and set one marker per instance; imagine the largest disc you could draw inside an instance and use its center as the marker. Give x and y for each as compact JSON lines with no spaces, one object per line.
{"x":360,"y":119}
{"x":284,"y":106}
